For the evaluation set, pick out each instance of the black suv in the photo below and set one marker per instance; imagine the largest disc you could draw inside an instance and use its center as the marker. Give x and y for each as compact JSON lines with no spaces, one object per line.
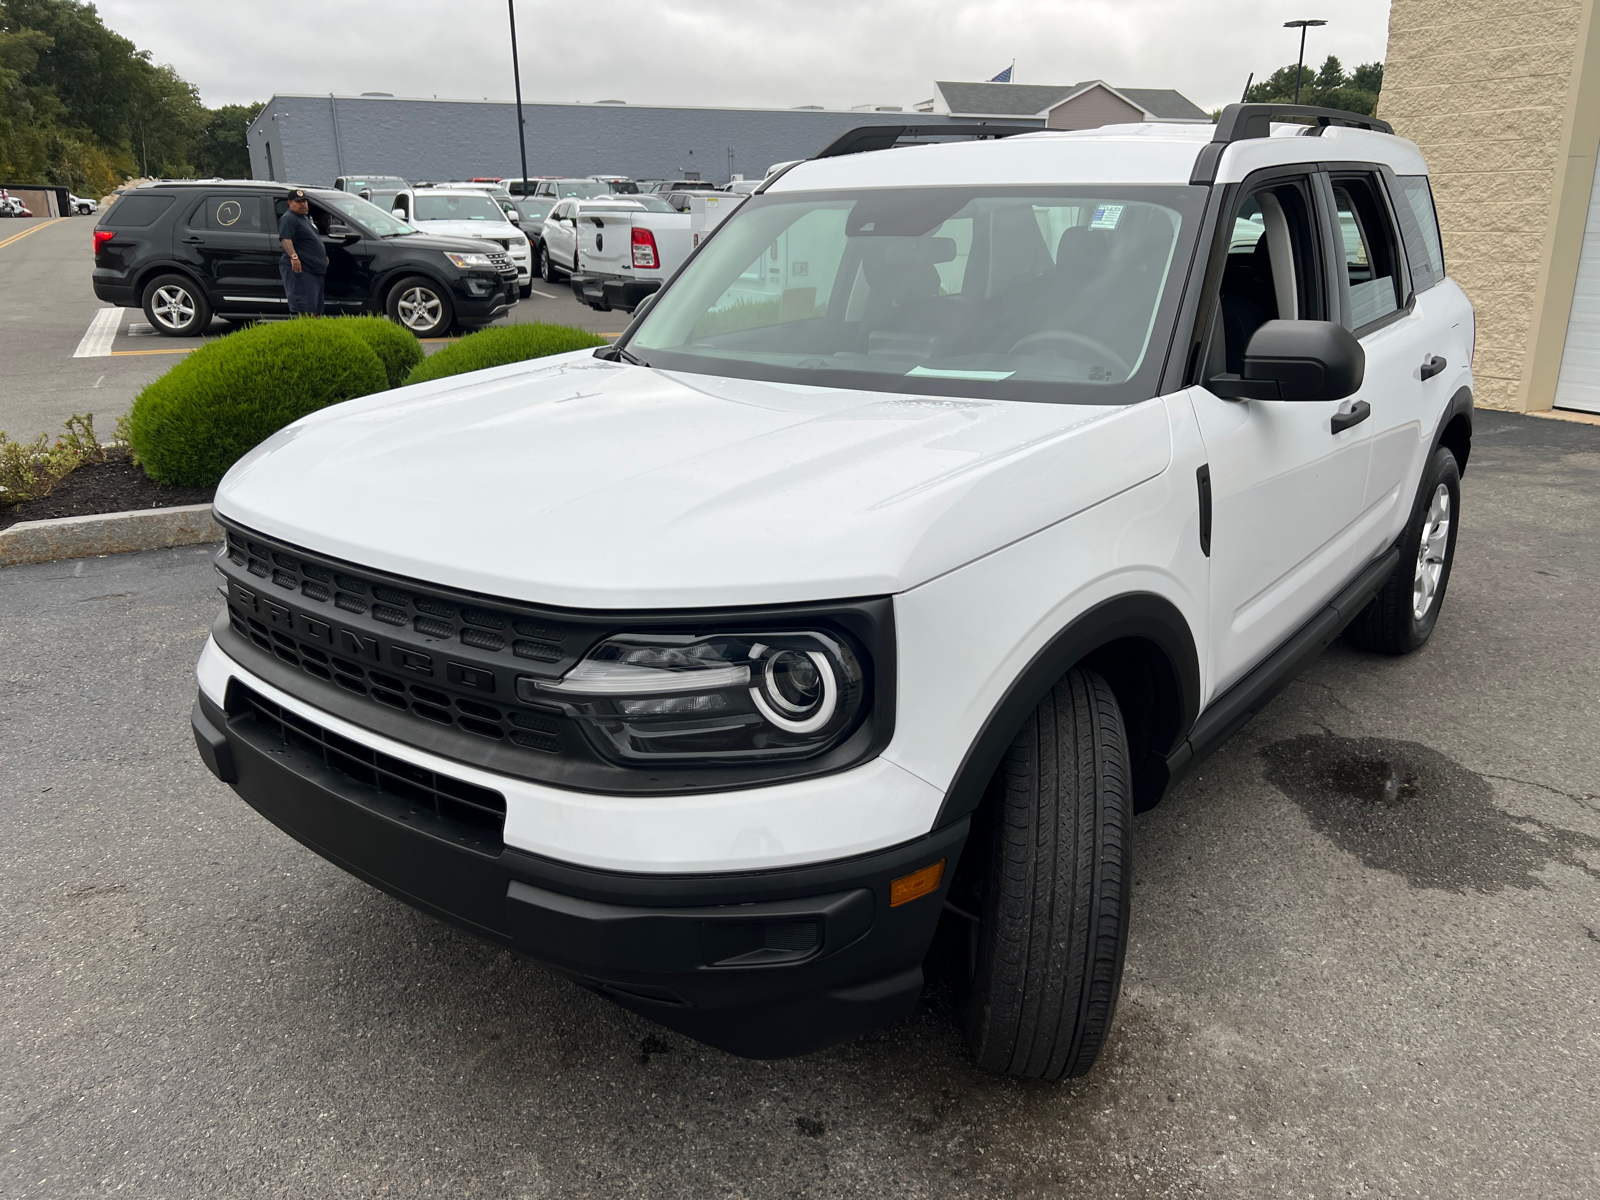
{"x":187,"y":251}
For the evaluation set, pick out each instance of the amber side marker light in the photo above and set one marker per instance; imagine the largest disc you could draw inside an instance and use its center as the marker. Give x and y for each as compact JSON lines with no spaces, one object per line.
{"x":919,"y":883}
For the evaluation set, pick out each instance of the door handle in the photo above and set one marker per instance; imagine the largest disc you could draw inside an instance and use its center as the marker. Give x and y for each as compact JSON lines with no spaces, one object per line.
{"x":1357,"y":413}
{"x":192,"y":241}
{"x":1432,"y":365}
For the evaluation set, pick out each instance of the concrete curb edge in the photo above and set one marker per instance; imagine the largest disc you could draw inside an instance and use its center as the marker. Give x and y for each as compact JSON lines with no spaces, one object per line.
{"x":107,"y":533}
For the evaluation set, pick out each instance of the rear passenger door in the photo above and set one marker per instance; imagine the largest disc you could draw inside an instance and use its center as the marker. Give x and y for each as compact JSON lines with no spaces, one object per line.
{"x":1378,"y":305}
{"x":226,"y":242}
{"x":1286,"y":487}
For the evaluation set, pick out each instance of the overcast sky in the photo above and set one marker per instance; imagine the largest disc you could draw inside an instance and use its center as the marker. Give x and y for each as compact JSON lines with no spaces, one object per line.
{"x":762,"y":53}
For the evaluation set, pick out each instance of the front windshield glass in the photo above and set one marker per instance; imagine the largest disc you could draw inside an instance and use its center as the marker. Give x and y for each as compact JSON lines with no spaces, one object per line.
{"x":478,"y":207}
{"x":367,"y":216}
{"x":1062,"y":294}
{"x":584,"y":190}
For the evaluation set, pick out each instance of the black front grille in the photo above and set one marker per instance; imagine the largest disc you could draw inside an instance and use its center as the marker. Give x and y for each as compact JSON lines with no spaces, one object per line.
{"x":459,"y":811}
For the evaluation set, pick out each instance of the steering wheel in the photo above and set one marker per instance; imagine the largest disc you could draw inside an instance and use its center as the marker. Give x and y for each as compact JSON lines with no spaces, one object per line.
{"x":1060,"y":339}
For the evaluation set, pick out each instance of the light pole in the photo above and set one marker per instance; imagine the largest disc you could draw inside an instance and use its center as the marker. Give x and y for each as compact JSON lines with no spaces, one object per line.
{"x":1300,"y":67}
{"x":516,"y":75}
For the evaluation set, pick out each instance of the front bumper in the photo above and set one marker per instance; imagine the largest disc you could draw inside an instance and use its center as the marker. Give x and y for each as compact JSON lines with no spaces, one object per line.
{"x":760,"y":963}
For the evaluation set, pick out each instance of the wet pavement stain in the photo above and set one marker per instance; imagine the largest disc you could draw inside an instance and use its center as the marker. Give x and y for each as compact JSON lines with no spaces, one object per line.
{"x":1404,"y":807}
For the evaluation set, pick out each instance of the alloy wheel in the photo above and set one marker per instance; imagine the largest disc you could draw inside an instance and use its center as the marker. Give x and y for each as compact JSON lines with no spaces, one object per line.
{"x":173,"y":307}
{"x":1430,"y":554}
{"x":419,"y":308}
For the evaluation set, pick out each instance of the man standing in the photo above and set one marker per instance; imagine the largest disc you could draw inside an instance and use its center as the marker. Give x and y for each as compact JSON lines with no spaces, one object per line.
{"x":305,"y":262}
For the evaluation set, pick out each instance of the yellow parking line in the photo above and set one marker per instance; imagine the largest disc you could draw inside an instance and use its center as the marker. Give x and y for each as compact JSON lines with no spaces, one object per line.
{"x":17,"y":237}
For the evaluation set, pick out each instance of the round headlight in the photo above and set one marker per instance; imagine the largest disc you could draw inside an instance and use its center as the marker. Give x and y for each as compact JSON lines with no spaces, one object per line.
{"x":798,"y":691}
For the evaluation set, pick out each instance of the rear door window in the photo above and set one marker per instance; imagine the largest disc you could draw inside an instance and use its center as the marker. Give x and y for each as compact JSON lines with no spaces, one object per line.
{"x":1419,"y":223}
{"x":228,"y":214}
{"x":1371,"y":264}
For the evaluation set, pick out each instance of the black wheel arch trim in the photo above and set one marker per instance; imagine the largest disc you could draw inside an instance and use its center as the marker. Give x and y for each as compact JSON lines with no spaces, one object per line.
{"x":150,"y":274}
{"x":1460,"y":407}
{"x":1137,"y":616}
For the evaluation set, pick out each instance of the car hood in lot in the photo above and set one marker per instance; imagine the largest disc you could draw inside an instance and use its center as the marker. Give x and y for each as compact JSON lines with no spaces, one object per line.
{"x":582,"y":483}
{"x":469,"y":229}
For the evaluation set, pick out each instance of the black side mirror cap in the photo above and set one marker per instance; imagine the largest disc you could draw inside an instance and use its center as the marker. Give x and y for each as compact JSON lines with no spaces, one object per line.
{"x":1296,"y":360}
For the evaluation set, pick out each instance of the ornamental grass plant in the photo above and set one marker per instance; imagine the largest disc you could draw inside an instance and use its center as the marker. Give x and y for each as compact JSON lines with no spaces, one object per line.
{"x":193,"y":423}
{"x":502,"y":344}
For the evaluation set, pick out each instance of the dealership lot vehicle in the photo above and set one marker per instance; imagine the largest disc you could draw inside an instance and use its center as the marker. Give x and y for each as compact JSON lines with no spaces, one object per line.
{"x":620,"y":248}
{"x":952,"y":503}
{"x":566,"y":189}
{"x":468,"y":212}
{"x":618,"y":185}
{"x":187,"y":251}
{"x":359,"y":184}
{"x":82,"y":206}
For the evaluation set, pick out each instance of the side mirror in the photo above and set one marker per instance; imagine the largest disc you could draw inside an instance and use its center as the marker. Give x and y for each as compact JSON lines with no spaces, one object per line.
{"x":1296,"y":360}
{"x":398,"y":213}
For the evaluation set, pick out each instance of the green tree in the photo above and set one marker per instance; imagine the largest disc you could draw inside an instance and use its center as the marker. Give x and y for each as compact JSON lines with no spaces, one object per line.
{"x":222,"y":148}
{"x":1327,"y":87}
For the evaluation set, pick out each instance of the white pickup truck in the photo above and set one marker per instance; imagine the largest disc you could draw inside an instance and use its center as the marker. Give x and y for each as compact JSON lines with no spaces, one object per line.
{"x":623,"y":248}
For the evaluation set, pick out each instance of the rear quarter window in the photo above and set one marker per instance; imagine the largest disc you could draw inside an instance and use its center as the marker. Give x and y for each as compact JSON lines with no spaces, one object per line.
{"x":1419,"y":227}
{"x":135,"y":212}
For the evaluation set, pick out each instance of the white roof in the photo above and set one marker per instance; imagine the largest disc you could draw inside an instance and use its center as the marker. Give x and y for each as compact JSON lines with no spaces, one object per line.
{"x":1146,"y":153}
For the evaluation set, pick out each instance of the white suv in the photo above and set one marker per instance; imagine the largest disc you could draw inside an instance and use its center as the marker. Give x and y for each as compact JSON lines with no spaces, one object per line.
{"x":948,"y":505}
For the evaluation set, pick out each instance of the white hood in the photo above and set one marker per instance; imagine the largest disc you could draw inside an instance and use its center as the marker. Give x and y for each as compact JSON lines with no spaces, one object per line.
{"x":488,"y":230}
{"x":581,"y":483}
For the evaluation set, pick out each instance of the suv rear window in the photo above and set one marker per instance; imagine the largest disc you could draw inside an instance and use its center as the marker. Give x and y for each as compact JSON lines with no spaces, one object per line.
{"x":135,"y":212}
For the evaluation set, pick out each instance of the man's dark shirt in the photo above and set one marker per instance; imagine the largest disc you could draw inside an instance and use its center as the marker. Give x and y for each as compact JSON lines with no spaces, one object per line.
{"x":300,"y":230}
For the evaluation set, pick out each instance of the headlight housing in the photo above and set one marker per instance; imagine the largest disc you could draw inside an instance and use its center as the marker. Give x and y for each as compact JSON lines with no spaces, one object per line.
{"x":468,"y":261}
{"x":720,"y":697}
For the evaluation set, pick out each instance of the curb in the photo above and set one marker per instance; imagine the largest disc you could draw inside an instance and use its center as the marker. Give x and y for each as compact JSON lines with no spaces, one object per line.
{"x":107,"y":533}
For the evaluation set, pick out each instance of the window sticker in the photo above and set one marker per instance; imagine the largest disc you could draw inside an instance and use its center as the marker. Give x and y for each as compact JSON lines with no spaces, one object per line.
{"x":1106,"y":216}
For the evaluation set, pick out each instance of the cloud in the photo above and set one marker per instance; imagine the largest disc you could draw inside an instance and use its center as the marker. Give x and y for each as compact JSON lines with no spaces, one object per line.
{"x":761,"y":53}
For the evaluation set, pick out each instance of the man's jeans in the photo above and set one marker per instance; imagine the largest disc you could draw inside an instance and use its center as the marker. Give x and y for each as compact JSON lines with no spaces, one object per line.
{"x":304,"y":290}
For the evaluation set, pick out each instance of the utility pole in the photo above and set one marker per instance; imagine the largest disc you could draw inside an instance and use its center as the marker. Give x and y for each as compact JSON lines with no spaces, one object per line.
{"x":516,"y":75}
{"x":1300,"y":66}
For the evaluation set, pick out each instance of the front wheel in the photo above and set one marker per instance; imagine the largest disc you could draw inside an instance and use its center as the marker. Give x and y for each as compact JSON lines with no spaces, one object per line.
{"x":421,"y":305}
{"x":1402,"y":615}
{"x":1053,"y":930}
{"x":547,"y":269}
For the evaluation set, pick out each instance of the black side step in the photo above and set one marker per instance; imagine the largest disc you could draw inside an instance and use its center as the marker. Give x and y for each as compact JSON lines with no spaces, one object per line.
{"x":1229,"y":712}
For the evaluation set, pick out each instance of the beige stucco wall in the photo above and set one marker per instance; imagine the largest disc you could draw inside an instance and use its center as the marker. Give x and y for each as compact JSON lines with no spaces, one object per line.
{"x":1501,"y":96}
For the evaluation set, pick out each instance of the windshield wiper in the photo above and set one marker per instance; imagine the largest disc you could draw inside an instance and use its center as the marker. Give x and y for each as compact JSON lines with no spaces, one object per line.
{"x":618,"y":354}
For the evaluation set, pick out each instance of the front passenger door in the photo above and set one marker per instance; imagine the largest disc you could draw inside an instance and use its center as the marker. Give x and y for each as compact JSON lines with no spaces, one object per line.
{"x":1286,"y":487}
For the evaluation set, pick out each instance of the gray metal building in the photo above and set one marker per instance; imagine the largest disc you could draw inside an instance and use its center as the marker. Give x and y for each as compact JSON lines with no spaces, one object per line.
{"x":314,"y":139}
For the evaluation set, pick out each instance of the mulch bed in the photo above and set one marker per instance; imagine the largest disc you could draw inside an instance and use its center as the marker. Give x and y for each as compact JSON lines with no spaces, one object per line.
{"x":114,"y":486}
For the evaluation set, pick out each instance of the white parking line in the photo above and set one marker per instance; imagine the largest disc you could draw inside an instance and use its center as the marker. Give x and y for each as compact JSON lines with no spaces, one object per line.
{"x":546,"y":295}
{"x":97,"y":338}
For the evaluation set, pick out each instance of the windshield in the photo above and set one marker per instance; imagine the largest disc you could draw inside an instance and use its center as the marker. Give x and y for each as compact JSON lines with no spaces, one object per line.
{"x":583,"y":190}
{"x":1060,"y":294}
{"x":368,"y":216}
{"x":477,"y":207}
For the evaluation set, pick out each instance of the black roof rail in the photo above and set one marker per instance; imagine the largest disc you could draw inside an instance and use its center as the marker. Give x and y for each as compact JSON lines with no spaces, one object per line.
{"x":1242,"y":122}
{"x":882,"y":137}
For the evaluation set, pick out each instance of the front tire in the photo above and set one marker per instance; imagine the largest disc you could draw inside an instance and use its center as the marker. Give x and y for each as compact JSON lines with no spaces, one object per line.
{"x":1402,"y":615}
{"x":422,"y":306}
{"x":547,"y":269}
{"x":175,"y":307}
{"x":1054,"y":924}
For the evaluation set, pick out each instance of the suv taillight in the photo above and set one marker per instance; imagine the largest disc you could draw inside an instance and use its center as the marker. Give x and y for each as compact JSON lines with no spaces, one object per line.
{"x":101,"y":237}
{"x":644,"y":250}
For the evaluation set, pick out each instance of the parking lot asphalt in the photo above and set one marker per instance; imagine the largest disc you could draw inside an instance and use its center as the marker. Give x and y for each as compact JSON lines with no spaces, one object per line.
{"x":1365,"y":957}
{"x":47,"y":306}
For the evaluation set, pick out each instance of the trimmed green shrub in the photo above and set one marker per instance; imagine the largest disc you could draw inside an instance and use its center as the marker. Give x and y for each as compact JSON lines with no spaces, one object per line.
{"x":192,"y":424}
{"x":502,"y":344}
{"x":397,"y":348}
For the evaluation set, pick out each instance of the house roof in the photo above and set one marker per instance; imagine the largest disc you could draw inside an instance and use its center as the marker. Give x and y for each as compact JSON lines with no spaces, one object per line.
{"x":1034,"y":99}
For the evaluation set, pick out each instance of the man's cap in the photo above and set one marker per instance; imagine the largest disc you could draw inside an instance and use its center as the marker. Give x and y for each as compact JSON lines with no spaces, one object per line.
{"x":297,"y":194}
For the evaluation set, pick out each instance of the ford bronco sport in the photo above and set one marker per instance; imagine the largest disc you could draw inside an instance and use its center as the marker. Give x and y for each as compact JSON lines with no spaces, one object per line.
{"x":947,"y":506}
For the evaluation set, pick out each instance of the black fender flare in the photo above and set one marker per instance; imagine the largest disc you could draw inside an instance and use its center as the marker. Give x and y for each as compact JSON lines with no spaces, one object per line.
{"x":1143,"y":616}
{"x":1460,"y":406}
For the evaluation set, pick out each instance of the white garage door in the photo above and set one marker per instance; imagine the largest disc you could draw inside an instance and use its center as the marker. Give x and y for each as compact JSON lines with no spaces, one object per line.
{"x":1579,"y":385}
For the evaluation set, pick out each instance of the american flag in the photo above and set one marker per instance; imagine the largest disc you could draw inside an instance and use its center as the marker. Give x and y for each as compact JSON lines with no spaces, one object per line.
{"x":1004,"y":76}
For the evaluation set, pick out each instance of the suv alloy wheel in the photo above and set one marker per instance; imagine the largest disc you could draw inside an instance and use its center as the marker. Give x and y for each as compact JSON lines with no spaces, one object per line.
{"x":421,"y":306}
{"x":175,"y":307}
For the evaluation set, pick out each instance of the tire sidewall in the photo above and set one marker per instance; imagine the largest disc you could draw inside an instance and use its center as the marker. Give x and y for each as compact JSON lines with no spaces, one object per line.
{"x":202,"y":308}
{"x":446,"y":309}
{"x":1442,"y":468}
{"x":547,"y":270}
